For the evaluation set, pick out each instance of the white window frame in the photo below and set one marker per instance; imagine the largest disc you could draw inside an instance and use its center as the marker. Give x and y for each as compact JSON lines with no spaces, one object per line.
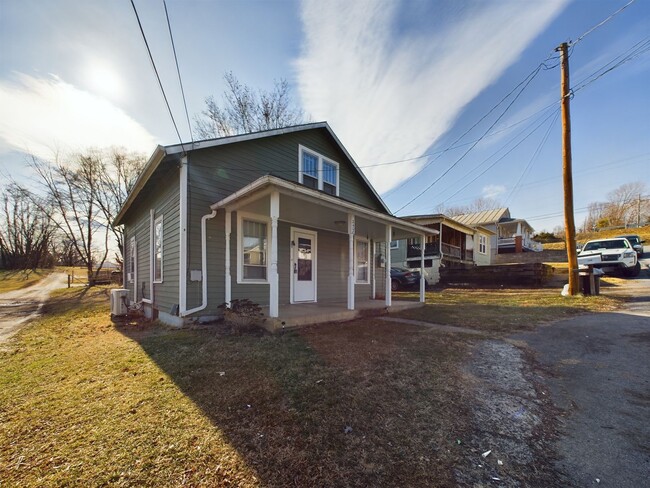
{"x":132,"y":261}
{"x":301,"y":150}
{"x":261,"y":219}
{"x":356,"y":263}
{"x":394,"y":244}
{"x":156,"y":222}
{"x":482,"y":244}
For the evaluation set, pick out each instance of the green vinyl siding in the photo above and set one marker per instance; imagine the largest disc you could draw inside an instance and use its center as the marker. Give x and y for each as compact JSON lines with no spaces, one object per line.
{"x":161,"y":193}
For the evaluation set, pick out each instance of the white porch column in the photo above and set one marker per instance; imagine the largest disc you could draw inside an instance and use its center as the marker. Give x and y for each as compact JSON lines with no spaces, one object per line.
{"x":422,"y":280}
{"x":274,"y":285}
{"x":518,"y":229}
{"x":228,"y":230}
{"x":371,"y":265}
{"x":351,"y":278}
{"x":389,"y":237}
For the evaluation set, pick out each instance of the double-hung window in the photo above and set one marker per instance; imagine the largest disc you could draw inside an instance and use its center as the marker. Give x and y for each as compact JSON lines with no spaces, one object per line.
{"x":158,"y":250}
{"x":318,"y":172}
{"x":254,"y":250}
{"x":131,"y":268}
{"x":482,"y":244}
{"x":362,"y":260}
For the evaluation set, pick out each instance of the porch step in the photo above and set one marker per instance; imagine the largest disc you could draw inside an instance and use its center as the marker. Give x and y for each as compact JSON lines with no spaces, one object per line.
{"x":296,"y":316}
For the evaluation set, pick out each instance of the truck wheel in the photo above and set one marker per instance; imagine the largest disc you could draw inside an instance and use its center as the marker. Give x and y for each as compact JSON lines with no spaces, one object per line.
{"x":394,"y":285}
{"x":634,"y":272}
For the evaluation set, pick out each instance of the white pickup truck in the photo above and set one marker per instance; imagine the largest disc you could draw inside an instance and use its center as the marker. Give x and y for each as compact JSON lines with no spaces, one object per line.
{"x":610,"y":255}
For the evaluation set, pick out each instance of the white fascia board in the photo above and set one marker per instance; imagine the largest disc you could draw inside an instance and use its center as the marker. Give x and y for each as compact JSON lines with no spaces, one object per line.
{"x":154,"y":160}
{"x":222,"y":141}
{"x":324,"y":198}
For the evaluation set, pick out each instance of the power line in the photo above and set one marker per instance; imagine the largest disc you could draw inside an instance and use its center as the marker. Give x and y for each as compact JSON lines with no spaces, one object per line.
{"x":533,"y":158}
{"x":524,"y":82}
{"x":600,"y":24}
{"x":635,"y":51}
{"x":530,"y":78}
{"x":153,"y":64}
{"x":178,"y":71}
{"x":499,"y":159}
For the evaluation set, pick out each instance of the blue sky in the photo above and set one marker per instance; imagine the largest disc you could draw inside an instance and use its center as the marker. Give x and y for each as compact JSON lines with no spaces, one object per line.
{"x":395,"y":80}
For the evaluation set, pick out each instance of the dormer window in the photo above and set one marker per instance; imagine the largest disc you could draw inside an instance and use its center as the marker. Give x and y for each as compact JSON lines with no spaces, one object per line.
{"x":318,"y":172}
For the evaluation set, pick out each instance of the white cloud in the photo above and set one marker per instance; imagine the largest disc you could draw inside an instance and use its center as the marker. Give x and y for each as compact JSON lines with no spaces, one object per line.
{"x":493,"y":191}
{"x":43,"y":115}
{"x":390,"y":98}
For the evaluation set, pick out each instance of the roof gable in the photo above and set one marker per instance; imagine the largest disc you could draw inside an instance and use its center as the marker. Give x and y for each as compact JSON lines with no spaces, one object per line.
{"x":176,"y":151}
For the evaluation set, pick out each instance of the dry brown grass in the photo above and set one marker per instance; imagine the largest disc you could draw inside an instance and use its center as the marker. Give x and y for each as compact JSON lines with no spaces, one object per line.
{"x":505,"y":310}
{"x":18,"y":279}
{"x":83,"y":402}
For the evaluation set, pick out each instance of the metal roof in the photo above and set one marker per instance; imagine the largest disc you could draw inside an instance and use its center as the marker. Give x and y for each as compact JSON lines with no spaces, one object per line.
{"x":486,"y":217}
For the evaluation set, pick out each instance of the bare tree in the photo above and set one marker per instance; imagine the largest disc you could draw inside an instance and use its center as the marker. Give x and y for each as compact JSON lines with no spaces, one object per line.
{"x":118,"y":173}
{"x":479,"y":205}
{"x":72,"y":191}
{"x":244,"y":110}
{"x":25,"y":232}
{"x":624,"y":206}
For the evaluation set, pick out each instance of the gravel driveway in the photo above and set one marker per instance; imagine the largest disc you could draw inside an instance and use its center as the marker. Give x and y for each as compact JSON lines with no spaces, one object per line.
{"x":18,"y":307}
{"x":567,"y":404}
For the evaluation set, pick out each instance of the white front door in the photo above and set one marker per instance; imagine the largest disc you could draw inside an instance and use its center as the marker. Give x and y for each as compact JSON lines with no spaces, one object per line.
{"x":303,"y":266}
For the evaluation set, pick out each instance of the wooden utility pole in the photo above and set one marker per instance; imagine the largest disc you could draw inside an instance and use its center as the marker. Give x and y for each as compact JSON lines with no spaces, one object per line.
{"x":567,"y":173}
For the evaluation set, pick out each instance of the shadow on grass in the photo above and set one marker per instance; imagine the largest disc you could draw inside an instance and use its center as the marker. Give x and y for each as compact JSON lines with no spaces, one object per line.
{"x":356,"y":404}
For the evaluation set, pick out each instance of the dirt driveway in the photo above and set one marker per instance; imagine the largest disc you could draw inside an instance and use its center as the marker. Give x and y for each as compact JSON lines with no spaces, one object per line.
{"x":20,"y":306}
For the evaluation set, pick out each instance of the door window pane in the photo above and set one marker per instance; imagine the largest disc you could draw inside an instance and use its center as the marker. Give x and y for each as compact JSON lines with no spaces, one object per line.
{"x":304,"y":259}
{"x":361,"y":260}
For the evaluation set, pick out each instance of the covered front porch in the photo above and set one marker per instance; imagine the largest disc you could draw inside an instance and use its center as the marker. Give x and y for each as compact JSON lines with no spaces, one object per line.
{"x":306,"y":256}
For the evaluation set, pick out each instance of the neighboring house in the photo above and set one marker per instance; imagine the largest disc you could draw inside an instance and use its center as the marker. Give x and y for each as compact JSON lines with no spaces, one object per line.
{"x":282,"y":217}
{"x":510,"y":234}
{"x":455,"y":245}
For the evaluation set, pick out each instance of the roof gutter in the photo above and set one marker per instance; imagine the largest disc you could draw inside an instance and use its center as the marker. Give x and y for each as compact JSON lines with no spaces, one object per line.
{"x":332,"y":201}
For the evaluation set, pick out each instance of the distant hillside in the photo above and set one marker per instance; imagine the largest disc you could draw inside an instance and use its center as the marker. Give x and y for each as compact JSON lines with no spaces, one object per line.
{"x":644,"y":232}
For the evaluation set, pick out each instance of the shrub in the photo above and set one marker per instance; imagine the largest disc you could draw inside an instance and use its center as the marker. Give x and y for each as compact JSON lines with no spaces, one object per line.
{"x":242,"y":315}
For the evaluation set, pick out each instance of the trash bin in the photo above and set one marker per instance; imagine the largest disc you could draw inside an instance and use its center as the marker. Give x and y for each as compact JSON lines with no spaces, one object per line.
{"x":585,"y":280}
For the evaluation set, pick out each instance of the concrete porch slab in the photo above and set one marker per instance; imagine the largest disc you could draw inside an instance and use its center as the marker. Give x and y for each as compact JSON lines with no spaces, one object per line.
{"x":302,"y":314}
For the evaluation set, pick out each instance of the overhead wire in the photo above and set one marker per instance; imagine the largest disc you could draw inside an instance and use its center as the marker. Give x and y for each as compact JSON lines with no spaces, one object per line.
{"x":153,"y":64}
{"x":527,"y":82}
{"x":532,"y":159}
{"x":600,"y":24}
{"x":178,"y":71}
{"x":524,"y":82}
{"x":635,"y":51}
{"x":555,"y":112}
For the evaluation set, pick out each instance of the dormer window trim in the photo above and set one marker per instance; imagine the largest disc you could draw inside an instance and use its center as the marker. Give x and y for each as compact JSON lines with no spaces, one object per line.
{"x":322,"y":165}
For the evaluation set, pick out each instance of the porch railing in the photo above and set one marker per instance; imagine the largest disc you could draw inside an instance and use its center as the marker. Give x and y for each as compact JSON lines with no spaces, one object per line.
{"x":414,"y":250}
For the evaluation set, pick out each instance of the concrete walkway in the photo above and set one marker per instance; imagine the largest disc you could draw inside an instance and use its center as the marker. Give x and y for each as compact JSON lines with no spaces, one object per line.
{"x":18,"y":307}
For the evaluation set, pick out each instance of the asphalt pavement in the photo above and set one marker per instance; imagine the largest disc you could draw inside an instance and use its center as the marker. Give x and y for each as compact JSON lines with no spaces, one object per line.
{"x":599,"y":377}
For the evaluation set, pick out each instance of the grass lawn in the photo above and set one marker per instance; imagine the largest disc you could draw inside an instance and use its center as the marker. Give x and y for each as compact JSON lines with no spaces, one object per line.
{"x":365,"y":403}
{"x":504,"y":310}
{"x":17,"y":279}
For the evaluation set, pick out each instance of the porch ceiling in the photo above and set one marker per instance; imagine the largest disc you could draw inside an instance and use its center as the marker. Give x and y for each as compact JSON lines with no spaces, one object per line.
{"x":303,"y":206}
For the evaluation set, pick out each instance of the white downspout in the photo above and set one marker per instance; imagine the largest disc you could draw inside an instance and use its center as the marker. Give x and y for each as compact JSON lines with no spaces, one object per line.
{"x":182,"y":243}
{"x":204,"y":267}
{"x":389,"y":291}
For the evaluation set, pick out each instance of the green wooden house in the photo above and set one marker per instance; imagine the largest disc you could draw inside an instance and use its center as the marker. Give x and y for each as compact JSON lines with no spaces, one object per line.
{"x":282,"y":217}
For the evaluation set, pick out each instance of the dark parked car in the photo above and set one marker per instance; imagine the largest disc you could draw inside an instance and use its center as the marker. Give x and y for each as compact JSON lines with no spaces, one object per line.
{"x":636,"y":242}
{"x":403,"y":278}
